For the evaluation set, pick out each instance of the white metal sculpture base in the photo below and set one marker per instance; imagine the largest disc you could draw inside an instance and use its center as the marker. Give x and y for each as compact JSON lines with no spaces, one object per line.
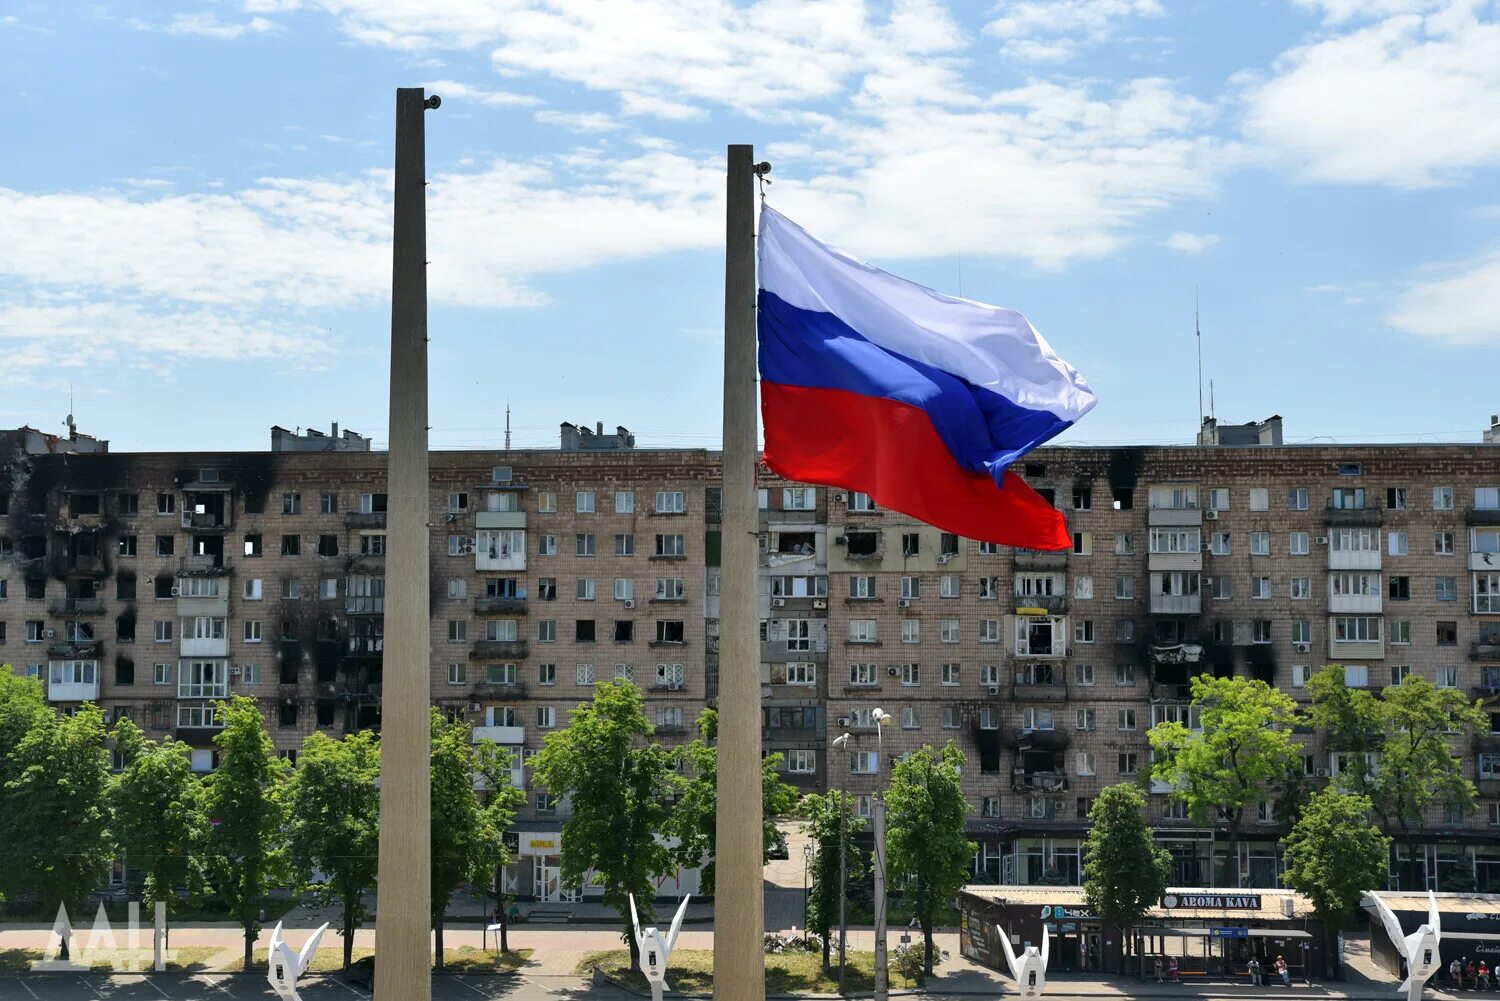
{"x":1030,"y":969}
{"x":1419,"y":949}
{"x":285,"y":967}
{"x":655,"y":949}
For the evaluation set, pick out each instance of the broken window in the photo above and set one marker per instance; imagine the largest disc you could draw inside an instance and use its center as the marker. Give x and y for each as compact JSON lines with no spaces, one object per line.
{"x":583,"y":631}
{"x":288,"y":714}
{"x":948,"y":545}
{"x":36,"y":588}
{"x":165,"y":545}
{"x":1124,"y":498}
{"x":862,"y":543}
{"x":325,"y":712}
{"x":291,"y":545}
{"x":1047,"y":494}
{"x":328,"y":545}
{"x":372,"y":503}
{"x":125,"y":587}
{"x":125,"y":627}
{"x":624,"y":631}
{"x":80,"y":504}
{"x":124,"y":670}
{"x":253,"y":544}
{"x":502,"y":587}
{"x":127,"y":545}
{"x":547,"y":588}
{"x":668,"y":631}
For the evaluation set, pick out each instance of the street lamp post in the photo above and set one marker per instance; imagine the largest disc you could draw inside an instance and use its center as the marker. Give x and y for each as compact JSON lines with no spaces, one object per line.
{"x":840,"y":743}
{"x":882,"y":975}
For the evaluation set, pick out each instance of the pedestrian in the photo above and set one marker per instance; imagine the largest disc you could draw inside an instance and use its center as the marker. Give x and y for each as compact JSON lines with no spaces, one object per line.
{"x":1158,"y":970}
{"x":1284,"y":972}
{"x":1455,"y":975}
{"x":1254,"y":969}
{"x":1172,"y":971}
{"x":1472,"y":974}
{"x":1484,"y":975}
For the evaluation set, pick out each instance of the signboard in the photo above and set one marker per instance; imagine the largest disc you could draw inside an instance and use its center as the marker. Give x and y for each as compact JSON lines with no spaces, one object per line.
{"x":1061,"y":912}
{"x":1215,"y":901}
{"x":1229,"y":932}
{"x":540,"y":844}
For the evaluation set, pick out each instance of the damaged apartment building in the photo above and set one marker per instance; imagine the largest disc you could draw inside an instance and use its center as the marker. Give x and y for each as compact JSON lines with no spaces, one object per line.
{"x":158,"y":583}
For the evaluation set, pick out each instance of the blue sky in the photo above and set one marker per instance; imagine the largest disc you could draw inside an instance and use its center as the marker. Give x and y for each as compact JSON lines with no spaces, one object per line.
{"x":194,"y":202}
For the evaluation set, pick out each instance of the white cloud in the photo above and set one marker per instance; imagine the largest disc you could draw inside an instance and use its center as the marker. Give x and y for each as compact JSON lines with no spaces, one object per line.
{"x":208,"y":25}
{"x":453,"y":89}
{"x":1412,"y":100}
{"x":1053,"y":30}
{"x":1459,"y":307}
{"x":580,"y":121}
{"x":1191,"y":243}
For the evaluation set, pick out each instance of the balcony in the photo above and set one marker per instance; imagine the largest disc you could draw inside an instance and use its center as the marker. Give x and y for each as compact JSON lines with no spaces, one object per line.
{"x":671,"y":729}
{"x":1482,"y":516}
{"x":204,"y":521}
{"x":204,"y":565}
{"x":1049,"y":691}
{"x":203,"y":690}
{"x":500,"y":519}
{"x":366,"y":646}
{"x":364,"y":519}
{"x":498,"y":650}
{"x":205,"y":646}
{"x":1176,"y":604}
{"x":87,"y":566}
{"x":74,"y":691}
{"x":1028,"y":559}
{"x":1353,"y":559}
{"x":76,"y":650}
{"x":503,"y":691}
{"x":366,"y":604}
{"x":501,"y":734}
{"x":1048,"y":781}
{"x":76,"y":606}
{"x":500,"y":606}
{"x":1484,"y":651}
{"x":1346,"y":516}
{"x":1050,"y":604}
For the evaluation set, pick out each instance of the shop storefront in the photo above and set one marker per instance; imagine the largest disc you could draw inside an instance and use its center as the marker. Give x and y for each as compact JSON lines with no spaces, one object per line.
{"x":537,"y":872}
{"x":1212,"y":934}
{"x":1470,"y":926}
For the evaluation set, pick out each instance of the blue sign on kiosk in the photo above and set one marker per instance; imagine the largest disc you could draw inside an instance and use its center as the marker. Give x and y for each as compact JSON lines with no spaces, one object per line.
{"x":1229,"y":932}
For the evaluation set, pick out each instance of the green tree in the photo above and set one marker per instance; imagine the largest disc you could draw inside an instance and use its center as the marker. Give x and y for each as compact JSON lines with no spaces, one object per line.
{"x":1401,"y":743}
{"x":333,"y":824}
{"x":821,"y":825}
{"x":1333,"y":855}
{"x":693,"y":818}
{"x":1243,"y":754}
{"x":55,"y":802}
{"x":1125,"y":871}
{"x":157,"y":809}
{"x":500,"y":806}
{"x":926,"y":844}
{"x":244,"y":800}
{"x":468,"y":843}
{"x":616,"y":781}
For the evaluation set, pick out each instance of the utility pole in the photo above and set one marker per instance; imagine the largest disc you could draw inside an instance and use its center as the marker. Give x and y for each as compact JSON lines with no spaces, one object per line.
{"x":882,"y":973}
{"x":739,"y":924}
{"x":843,"y":883}
{"x":404,"y":914}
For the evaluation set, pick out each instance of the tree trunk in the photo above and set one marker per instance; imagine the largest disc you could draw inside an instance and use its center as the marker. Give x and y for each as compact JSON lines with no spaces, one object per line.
{"x":827,"y":966}
{"x":348,"y":933}
{"x":249,"y":944}
{"x":927,"y":947}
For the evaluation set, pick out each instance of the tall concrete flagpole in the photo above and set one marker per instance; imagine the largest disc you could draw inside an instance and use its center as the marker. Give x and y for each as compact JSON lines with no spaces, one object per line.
{"x":404,"y":915}
{"x":739,"y":959}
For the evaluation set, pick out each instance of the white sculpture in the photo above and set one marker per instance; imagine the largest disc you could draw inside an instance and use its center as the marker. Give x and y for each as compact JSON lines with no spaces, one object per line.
{"x":285,"y":967}
{"x":1030,"y":970}
{"x":655,"y":950}
{"x":1419,"y":949}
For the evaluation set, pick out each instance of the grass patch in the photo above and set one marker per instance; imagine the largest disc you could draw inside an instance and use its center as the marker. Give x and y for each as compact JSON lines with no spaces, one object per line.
{"x":190,"y":958}
{"x":691,"y":971}
{"x":467,"y":959}
{"x":324,"y":960}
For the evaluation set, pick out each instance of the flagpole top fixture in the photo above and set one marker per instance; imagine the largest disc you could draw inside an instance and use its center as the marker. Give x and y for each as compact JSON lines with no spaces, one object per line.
{"x":433,"y":103}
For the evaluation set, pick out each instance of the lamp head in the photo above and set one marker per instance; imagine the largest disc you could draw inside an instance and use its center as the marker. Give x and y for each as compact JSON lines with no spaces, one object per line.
{"x":880,"y":716}
{"x":841,"y":741}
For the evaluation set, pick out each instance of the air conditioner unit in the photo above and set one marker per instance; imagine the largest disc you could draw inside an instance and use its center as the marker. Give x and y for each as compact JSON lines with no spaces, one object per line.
{"x":843,"y":721}
{"x":1321,"y":540}
{"x":176,"y":591}
{"x":450,"y":517}
{"x":1208,"y":547}
{"x":837,"y":496}
{"x":468,"y":549}
{"x":904,"y":603}
{"x":841,"y":540}
{"x":1302,"y":647}
{"x":893,"y":671}
{"x":820,"y":603}
{"x":1210,"y":516}
{"x":473,"y":707}
{"x":235,"y":671}
{"x":778,"y":602}
{"x":629,"y":602}
{"x":945,"y":557}
{"x":47,"y":634}
{"x":1322,"y":773}
{"x":994,"y":689}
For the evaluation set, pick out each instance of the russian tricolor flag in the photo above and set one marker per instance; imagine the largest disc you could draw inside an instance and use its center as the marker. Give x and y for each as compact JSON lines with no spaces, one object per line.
{"x":921,"y":400}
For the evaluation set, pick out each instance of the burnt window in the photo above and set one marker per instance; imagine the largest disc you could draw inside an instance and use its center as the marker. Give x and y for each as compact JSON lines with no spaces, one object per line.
{"x":36,"y":588}
{"x":291,"y":545}
{"x":668,"y":631}
{"x":583,"y":631}
{"x":255,"y":503}
{"x":624,"y":631}
{"x":125,"y":587}
{"x":328,"y":545}
{"x":164,"y":587}
{"x":1035,"y":469}
{"x":166,"y":545}
{"x":124,"y":670}
{"x":1124,"y":499}
{"x":1447,"y":633}
{"x":79,"y":504}
{"x":862,"y":543}
{"x":125,"y":629}
{"x":130,"y":505}
{"x":253,"y":544}
{"x":325,"y":713}
{"x":33,"y":547}
{"x":127,"y":545}
{"x":1047,"y":494}
{"x":288,"y":714}
{"x":7,"y":547}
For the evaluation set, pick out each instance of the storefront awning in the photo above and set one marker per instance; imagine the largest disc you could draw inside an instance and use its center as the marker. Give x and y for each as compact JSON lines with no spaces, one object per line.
{"x":1279,"y":933}
{"x":1179,"y":932}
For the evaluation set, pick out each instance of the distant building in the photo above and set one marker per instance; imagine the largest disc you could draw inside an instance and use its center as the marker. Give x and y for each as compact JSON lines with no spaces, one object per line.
{"x":578,"y":438}
{"x":1266,"y":432}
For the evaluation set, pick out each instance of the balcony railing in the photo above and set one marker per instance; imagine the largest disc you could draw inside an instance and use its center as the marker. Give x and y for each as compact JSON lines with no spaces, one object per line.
{"x":205,"y":690}
{"x":76,"y":606}
{"x":498,"y":650}
{"x":486,"y":605}
{"x":1484,"y":651}
{"x":1029,"y":559}
{"x":1351,"y":516}
{"x":76,"y":649}
{"x":500,"y":690}
{"x":206,"y":521}
{"x":365,"y":519}
{"x":1044,"y":691}
{"x":1048,"y":781}
{"x":365,"y":605}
